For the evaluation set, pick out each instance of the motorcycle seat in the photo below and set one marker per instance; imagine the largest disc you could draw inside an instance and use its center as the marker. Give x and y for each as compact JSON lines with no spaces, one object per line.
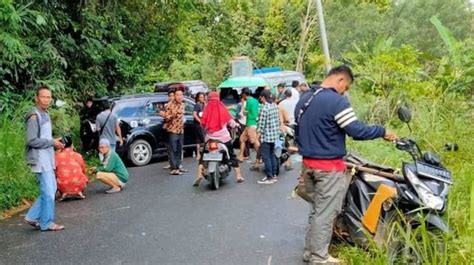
{"x":355,"y":159}
{"x":375,"y":181}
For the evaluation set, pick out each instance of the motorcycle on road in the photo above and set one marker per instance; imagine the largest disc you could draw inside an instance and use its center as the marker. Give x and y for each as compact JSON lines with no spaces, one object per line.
{"x":215,"y":157}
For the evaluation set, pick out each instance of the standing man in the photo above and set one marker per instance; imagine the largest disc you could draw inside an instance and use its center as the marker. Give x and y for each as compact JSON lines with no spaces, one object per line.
{"x":287,"y":122}
{"x":89,"y":111}
{"x":269,"y":131}
{"x":304,"y":88}
{"x":88,"y":115}
{"x":295,"y":84}
{"x":251,"y":112}
{"x":325,"y":117}
{"x":40,"y":156}
{"x":108,"y":125}
{"x":280,"y":95}
{"x":174,"y":117}
{"x":165,"y":126}
{"x":289,"y":105}
{"x":197,"y":115}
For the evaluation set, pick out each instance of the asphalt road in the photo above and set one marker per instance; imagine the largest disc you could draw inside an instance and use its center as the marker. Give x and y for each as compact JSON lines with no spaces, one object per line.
{"x":163,"y":219}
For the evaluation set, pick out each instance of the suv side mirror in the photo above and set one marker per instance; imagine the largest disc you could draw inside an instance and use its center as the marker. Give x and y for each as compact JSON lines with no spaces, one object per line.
{"x":404,"y":114}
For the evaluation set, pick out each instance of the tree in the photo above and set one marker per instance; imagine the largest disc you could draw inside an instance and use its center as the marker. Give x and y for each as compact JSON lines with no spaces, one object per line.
{"x":308,"y":34}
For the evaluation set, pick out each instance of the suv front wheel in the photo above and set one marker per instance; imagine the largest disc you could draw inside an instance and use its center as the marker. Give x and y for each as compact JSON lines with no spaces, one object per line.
{"x":140,"y":152}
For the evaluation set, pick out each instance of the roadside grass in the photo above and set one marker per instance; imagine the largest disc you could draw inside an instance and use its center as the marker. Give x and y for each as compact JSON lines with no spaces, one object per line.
{"x":435,"y":122}
{"x":16,"y":180}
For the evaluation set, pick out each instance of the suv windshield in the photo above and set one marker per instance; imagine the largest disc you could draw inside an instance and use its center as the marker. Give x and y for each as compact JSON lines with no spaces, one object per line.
{"x":129,"y":108}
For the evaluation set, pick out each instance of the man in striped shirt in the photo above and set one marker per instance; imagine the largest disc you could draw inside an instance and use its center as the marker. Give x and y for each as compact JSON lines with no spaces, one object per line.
{"x":325,"y":117}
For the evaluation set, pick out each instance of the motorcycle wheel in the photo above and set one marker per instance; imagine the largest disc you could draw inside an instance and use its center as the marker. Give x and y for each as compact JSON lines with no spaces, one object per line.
{"x":214,"y":179}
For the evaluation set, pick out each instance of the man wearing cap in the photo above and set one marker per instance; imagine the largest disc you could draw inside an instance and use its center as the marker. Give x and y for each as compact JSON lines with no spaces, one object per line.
{"x":112,"y":171}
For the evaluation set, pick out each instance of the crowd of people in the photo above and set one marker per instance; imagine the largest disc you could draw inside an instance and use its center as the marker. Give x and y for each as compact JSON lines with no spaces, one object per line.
{"x":63,"y":171}
{"x":320,"y":115}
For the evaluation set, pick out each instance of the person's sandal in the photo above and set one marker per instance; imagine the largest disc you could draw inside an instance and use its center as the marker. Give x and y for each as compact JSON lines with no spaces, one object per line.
{"x":183,"y":170}
{"x":240,"y":180}
{"x":255,"y":167}
{"x":113,"y":190}
{"x":176,"y":172}
{"x":63,"y":197}
{"x":197,"y":181}
{"x":54,"y":227}
{"x":34,"y":224}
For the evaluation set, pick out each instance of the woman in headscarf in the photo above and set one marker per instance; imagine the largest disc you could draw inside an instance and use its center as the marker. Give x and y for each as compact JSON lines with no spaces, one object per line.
{"x":215,"y":119}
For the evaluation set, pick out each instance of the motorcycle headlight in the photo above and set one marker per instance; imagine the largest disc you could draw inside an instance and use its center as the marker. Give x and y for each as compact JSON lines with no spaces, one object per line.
{"x":426,"y":195}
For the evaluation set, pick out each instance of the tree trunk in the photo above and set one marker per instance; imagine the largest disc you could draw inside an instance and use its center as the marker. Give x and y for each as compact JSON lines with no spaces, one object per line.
{"x":307,"y":34}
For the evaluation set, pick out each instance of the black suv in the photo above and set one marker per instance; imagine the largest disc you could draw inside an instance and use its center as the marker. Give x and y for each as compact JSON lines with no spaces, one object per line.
{"x":142,"y":128}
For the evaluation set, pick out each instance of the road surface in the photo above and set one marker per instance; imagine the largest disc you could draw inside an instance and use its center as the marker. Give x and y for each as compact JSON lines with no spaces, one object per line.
{"x":163,"y":219}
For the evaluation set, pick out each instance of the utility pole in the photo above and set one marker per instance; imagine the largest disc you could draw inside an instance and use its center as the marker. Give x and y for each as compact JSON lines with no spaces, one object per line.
{"x":324,"y":39}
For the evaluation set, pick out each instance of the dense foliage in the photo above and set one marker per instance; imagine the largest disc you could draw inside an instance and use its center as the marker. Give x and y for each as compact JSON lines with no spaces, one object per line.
{"x":416,"y":52}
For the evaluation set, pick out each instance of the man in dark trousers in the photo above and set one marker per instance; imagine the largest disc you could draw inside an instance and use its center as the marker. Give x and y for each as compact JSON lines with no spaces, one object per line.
{"x":88,"y":114}
{"x":325,"y":117}
{"x":174,"y":117}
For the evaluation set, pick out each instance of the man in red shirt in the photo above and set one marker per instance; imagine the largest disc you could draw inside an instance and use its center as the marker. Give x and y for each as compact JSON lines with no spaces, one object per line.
{"x":324,"y":119}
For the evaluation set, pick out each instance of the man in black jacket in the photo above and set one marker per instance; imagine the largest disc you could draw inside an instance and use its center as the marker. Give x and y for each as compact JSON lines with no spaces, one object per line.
{"x":89,"y":112}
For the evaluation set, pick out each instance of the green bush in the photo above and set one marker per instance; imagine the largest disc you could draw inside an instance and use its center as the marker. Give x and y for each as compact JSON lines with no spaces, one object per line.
{"x":439,"y":93}
{"x":16,"y":180}
{"x":436,"y":121}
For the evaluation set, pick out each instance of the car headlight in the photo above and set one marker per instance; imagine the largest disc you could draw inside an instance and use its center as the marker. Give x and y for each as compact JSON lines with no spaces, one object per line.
{"x":426,"y":195}
{"x":134,"y":124}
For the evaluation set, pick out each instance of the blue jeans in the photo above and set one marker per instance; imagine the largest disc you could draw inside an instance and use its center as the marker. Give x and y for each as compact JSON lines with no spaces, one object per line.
{"x":43,"y":208}
{"x":269,"y":159}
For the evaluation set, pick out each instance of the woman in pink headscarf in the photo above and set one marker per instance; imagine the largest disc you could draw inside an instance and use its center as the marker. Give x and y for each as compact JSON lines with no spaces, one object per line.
{"x":215,"y":119}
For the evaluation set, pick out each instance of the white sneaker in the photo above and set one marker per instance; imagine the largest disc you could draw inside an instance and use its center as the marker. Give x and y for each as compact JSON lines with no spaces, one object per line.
{"x":306,"y":256}
{"x":329,"y":260}
{"x":266,"y":181}
{"x":333,"y":259}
